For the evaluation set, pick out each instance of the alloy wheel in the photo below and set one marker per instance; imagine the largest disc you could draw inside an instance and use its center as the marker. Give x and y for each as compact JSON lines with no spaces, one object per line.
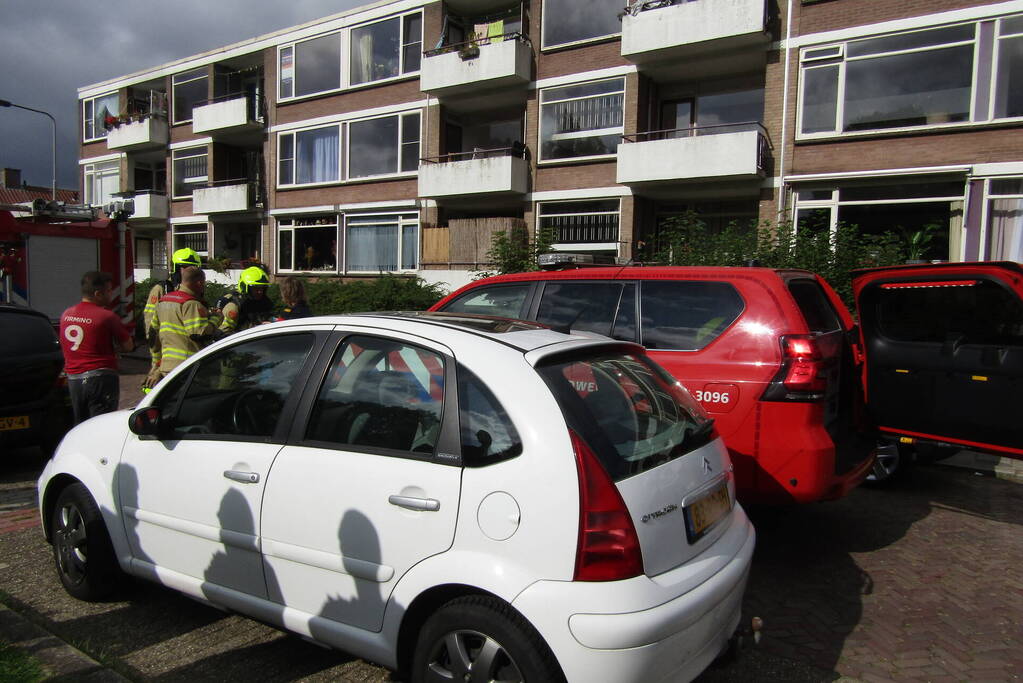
{"x":72,"y":543}
{"x":466,"y":656}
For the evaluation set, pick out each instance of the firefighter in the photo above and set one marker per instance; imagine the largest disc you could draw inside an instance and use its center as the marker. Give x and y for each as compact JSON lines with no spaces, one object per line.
{"x":180,"y":319}
{"x":181,"y":259}
{"x":248,"y":305}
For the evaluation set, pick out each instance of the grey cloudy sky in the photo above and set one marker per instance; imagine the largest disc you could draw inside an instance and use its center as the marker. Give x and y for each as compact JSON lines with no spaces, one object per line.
{"x":50,"y":48}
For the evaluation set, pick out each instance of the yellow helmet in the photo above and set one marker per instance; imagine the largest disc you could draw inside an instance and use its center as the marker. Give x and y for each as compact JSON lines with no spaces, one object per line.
{"x":186,"y":257}
{"x":252,"y":277}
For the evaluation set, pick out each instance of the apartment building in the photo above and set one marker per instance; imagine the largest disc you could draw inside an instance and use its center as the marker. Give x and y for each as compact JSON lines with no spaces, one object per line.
{"x":400,"y":136}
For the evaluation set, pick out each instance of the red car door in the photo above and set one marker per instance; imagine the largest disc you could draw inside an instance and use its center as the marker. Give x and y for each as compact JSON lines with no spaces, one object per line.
{"x":943,"y":348}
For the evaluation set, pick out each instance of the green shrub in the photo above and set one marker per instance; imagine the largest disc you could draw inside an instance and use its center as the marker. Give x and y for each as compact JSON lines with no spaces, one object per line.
{"x":514,"y":252}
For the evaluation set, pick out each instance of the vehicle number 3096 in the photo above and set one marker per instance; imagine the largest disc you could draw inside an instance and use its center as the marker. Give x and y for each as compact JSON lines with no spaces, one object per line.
{"x":713,"y":396}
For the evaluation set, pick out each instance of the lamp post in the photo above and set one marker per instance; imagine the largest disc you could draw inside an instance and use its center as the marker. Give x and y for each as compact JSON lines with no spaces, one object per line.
{"x":53,"y":141}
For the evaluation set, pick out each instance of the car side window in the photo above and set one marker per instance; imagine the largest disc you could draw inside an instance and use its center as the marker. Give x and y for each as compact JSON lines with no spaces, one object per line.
{"x":813,"y":303}
{"x":380,"y":394}
{"x":588,"y":306}
{"x":506,"y":301}
{"x":686,"y":315}
{"x":241,"y":391}
{"x":487,"y":434}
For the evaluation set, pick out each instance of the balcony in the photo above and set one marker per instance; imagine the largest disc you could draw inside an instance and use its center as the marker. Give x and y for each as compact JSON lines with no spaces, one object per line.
{"x":226,"y":196}
{"x":151,"y":132}
{"x":229,"y":114}
{"x":498,"y":62}
{"x":726,"y":152}
{"x":655,"y":30}
{"x":149,"y":206}
{"x":502,"y":171}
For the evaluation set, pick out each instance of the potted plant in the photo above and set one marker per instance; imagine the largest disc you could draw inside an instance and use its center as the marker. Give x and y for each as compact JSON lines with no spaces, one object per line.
{"x":219,"y":264}
{"x":470,"y":50}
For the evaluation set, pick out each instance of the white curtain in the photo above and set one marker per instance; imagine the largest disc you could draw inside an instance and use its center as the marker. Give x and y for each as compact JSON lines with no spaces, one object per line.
{"x":1005,"y":230}
{"x":362,"y":57}
{"x":317,"y":153}
{"x":372,"y":247}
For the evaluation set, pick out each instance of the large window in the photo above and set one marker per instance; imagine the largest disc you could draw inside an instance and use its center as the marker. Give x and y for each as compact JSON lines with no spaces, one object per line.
{"x":1005,"y":220}
{"x":591,"y":222}
{"x":919,"y":78}
{"x":383,"y":146}
{"x":190,"y":88}
{"x":95,"y":111}
{"x":309,"y":156}
{"x":381,"y":244}
{"x":307,"y":244}
{"x":311,"y":66}
{"x":386,"y":49}
{"x":190,"y":170}
{"x":101,"y":181}
{"x":570,"y":21}
{"x":193,"y":236}
{"x":582,"y":120}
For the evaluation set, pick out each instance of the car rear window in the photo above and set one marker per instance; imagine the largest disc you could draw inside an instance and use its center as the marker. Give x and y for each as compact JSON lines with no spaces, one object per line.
{"x":629,"y":411}
{"x":606,"y":308}
{"x":687,"y":316}
{"x":982,"y":312}
{"x":26,"y":334}
{"x":487,"y":434}
{"x":813,"y":303}
{"x":506,"y":301}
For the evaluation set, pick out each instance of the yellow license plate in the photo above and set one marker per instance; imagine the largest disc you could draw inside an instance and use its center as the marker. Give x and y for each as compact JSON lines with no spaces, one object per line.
{"x":704,"y":512}
{"x":13,"y":422}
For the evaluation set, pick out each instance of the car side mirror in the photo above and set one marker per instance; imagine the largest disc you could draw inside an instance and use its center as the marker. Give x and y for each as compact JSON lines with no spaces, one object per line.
{"x":147,"y":422}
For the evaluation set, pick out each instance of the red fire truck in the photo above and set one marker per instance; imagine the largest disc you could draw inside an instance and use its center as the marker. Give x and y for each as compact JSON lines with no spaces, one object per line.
{"x":46,"y":246}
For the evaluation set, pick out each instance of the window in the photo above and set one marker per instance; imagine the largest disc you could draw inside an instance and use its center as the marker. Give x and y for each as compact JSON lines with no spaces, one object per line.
{"x":311,"y":66}
{"x":383,"y":146}
{"x":381,"y":244}
{"x":386,"y":49}
{"x":607,"y":308}
{"x":1004,"y":241}
{"x":570,"y":21}
{"x":1008,"y":96}
{"x":192,"y":235}
{"x":309,"y":156}
{"x":101,"y":181}
{"x":190,"y":88}
{"x":380,"y":394}
{"x":487,"y":433}
{"x":582,"y":120}
{"x":241,"y":391}
{"x":190,"y":170}
{"x":687,"y":316}
{"x":506,"y":301}
{"x":819,"y":314}
{"x":307,"y":244}
{"x":896,"y":81}
{"x":584,"y":222}
{"x":95,"y":111}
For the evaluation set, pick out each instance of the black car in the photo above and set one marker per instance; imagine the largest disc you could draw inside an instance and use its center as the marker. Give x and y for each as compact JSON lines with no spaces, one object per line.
{"x":35,"y":408}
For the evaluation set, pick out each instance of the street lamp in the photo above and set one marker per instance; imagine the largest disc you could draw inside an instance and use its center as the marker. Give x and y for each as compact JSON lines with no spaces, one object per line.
{"x":53,"y":141}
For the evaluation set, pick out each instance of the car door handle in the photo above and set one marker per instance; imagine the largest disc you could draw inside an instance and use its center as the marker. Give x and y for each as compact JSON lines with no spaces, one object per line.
{"x":243,"y":477}
{"x":423,"y":504}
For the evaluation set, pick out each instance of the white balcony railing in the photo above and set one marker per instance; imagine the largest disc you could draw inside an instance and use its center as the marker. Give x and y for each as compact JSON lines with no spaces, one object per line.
{"x":231,"y":196}
{"x":660,"y":29}
{"x":728,"y":152}
{"x":498,"y":172}
{"x":498,"y":62}
{"x":231,"y":113}
{"x":150,"y":206}
{"x":148,"y":133}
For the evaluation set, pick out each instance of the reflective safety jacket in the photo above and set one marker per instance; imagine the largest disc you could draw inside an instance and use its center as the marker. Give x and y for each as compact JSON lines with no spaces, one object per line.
{"x":178,"y":316}
{"x":155,"y":294}
{"x":241,"y":312}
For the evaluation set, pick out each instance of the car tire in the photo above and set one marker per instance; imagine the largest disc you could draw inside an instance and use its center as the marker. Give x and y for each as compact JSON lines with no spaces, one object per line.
{"x":892,"y":464}
{"x":82,"y":550}
{"x":481,"y":631}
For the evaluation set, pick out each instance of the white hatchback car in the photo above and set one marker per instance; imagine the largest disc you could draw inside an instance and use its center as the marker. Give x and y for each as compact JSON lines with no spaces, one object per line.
{"x":450,"y":496}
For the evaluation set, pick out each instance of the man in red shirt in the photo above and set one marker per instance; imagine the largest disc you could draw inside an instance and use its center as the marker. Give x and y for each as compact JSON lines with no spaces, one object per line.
{"x":90,"y":336}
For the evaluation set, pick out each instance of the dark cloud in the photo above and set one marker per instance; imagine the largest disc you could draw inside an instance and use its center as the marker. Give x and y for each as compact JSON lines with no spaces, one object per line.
{"x":50,"y":48}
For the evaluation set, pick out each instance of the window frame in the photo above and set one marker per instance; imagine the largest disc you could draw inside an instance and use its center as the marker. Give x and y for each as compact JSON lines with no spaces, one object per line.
{"x":544,"y":47}
{"x":402,"y":20}
{"x":96,"y":171}
{"x":288,"y":224}
{"x":617,"y":130}
{"x":195,"y":179}
{"x":582,"y":246}
{"x":808,"y":61}
{"x":90,"y":103}
{"x":402,"y":220}
{"x":989,"y":198}
{"x":182,"y":229}
{"x":174,"y":92}
{"x":294,"y":156}
{"x":347,"y":147}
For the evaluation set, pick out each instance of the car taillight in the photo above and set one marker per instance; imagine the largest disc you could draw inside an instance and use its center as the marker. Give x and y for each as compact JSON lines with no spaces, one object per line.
{"x":608,"y":547}
{"x":802,"y":376}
